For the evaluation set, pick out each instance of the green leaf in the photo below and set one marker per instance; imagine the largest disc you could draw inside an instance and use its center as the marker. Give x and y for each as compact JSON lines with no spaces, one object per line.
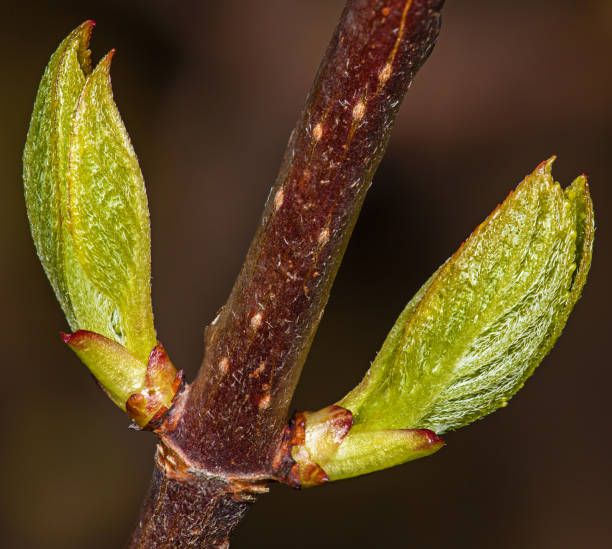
{"x":86,"y":200}
{"x":479,"y":327}
{"x":45,"y":162}
{"x":88,"y":213}
{"x":467,"y":341}
{"x":109,"y":219}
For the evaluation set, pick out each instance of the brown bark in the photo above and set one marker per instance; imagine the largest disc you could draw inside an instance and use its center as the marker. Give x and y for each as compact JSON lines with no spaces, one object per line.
{"x":223,"y":433}
{"x":187,"y":513}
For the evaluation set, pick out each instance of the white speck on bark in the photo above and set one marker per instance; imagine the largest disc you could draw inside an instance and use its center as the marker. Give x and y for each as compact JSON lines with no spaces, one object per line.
{"x":278,"y":199}
{"x":384,"y":73}
{"x":256,"y":321}
{"x":358,"y":110}
{"x":323,"y":236}
{"x":264,"y":402}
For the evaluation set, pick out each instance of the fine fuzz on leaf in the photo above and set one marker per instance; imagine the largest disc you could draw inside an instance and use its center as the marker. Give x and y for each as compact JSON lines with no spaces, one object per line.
{"x":108,"y":210}
{"x":87,"y":207}
{"x":45,"y":164}
{"x":479,"y":327}
{"x":86,"y":200}
{"x":468,"y":339}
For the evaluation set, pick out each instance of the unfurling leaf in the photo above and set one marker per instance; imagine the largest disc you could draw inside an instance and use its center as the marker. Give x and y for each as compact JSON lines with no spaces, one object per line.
{"x":108,"y":211}
{"x":45,"y":165}
{"x":88,"y":213}
{"x":477,"y":329}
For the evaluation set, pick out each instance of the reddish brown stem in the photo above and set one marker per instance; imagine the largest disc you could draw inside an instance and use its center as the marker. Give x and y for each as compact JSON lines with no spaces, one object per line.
{"x":255,"y":349}
{"x":229,"y":424}
{"x":179,"y":514}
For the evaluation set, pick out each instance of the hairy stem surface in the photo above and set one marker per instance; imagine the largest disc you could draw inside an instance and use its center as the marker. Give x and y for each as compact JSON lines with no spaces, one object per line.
{"x":224,"y":431}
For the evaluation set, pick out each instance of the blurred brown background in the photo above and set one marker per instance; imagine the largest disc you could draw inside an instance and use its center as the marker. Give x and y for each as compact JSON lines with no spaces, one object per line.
{"x":209,"y":92}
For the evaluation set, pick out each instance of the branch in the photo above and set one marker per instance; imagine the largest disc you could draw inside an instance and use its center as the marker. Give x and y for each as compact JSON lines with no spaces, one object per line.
{"x":219,"y":441}
{"x":255,"y":349}
{"x":187,"y":513}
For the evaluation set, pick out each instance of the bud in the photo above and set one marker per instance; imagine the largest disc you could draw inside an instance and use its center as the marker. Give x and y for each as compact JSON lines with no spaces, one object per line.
{"x":474,"y":332}
{"x":88,"y":213}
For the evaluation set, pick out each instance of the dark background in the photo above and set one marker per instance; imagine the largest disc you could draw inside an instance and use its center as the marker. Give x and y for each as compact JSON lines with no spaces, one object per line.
{"x":209,"y":92}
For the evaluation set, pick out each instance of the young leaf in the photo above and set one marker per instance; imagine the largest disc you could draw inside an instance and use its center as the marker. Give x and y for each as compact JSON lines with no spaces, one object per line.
{"x":87,"y":207}
{"x":468,"y":340}
{"x":86,"y":201}
{"x":109,"y":216}
{"x":45,"y":163}
{"x":477,"y":330}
